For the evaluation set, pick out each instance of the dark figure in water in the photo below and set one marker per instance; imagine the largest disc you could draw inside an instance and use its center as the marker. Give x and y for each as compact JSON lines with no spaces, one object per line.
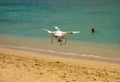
{"x":92,"y":30}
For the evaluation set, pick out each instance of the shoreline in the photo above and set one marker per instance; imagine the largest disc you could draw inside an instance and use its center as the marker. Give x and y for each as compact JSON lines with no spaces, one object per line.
{"x":26,"y":66}
{"x":75,"y":47}
{"x":64,"y":55}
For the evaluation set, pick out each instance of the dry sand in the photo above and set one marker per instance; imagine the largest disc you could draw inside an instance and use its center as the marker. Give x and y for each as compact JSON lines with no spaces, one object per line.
{"x":24,"y":66}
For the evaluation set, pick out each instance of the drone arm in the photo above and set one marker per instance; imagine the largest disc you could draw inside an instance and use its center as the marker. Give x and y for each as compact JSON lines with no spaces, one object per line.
{"x":52,"y":39}
{"x":50,"y":32}
{"x":69,"y":33}
{"x":74,"y":32}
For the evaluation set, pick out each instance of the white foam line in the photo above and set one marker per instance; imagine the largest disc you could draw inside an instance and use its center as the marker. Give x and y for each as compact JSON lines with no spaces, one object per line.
{"x":93,"y":56}
{"x":51,"y":51}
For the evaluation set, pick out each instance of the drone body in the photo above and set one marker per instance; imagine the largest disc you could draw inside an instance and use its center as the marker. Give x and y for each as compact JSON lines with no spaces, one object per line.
{"x":60,"y":35}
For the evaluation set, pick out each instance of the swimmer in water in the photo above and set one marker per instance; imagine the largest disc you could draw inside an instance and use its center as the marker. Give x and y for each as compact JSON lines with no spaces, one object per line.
{"x":92,"y":30}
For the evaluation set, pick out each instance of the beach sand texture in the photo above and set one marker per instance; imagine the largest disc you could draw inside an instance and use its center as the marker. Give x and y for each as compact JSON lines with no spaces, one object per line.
{"x":23,"y":66}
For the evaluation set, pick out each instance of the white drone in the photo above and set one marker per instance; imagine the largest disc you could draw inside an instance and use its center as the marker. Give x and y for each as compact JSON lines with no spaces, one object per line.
{"x":60,"y":35}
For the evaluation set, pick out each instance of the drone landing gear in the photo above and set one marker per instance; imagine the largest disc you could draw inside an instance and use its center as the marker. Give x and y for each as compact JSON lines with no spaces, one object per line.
{"x":52,"y":39}
{"x":65,"y":41}
{"x":61,"y":41}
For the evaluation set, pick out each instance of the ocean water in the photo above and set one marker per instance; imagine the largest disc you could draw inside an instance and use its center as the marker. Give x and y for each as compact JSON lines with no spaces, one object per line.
{"x":22,"y":23}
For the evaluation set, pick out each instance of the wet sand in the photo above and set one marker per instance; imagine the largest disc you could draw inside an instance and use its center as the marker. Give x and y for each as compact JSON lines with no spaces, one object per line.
{"x":26,"y":66}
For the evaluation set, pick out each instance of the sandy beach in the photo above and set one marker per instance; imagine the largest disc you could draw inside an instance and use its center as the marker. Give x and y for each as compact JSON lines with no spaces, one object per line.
{"x":24,"y":66}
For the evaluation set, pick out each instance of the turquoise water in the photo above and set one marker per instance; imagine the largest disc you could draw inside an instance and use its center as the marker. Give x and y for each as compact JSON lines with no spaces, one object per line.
{"x":28,"y":18}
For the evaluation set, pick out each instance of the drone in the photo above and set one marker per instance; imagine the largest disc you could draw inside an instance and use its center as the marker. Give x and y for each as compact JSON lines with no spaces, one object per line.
{"x":60,"y":35}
